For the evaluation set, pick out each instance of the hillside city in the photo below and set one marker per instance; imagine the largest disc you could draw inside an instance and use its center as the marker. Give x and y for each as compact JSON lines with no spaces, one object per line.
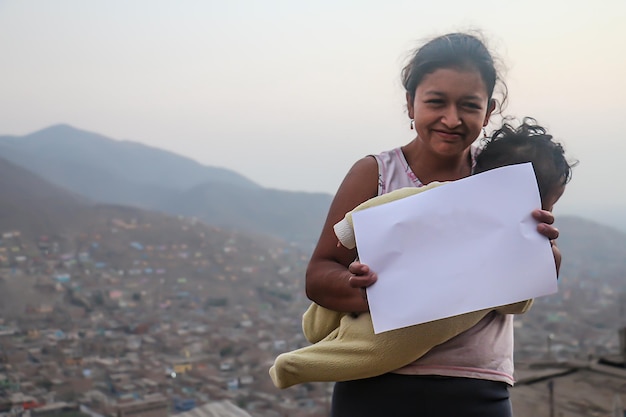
{"x":154,"y":323}
{"x":117,"y":322}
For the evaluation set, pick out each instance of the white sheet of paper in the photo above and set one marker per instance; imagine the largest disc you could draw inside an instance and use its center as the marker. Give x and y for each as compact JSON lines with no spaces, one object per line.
{"x":464,"y":246}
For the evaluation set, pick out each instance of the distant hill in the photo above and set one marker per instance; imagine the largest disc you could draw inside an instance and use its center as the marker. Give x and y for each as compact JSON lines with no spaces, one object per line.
{"x":128,"y":173}
{"x":209,"y":262}
{"x":295,"y":216}
{"x":583,"y":317}
{"x":122,"y":238}
{"x":116,"y":172}
{"x":46,"y":151}
{"x":31,"y":204}
{"x":110,"y":171}
{"x":592,"y":249}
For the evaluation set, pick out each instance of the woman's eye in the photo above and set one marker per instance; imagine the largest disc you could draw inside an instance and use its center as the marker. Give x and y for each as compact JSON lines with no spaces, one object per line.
{"x":473,"y":106}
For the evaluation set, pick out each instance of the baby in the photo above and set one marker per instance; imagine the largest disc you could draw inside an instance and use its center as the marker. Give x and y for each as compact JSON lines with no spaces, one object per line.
{"x":345,"y":346}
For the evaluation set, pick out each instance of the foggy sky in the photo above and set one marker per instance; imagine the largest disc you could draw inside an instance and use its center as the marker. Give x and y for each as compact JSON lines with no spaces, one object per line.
{"x":291,"y":93}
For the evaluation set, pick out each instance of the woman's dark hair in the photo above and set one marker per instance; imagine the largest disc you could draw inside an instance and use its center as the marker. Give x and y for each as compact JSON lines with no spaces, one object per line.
{"x":527,"y":143}
{"x":454,"y":50}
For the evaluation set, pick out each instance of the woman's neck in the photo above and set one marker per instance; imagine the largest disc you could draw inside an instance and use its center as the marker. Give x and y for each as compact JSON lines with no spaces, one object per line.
{"x":429,"y":166}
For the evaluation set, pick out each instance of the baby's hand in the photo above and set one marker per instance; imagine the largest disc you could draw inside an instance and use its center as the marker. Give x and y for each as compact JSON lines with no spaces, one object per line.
{"x":362,"y":275}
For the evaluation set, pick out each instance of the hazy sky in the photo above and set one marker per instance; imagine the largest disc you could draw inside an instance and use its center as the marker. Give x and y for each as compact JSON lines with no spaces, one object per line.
{"x":291,"y":93}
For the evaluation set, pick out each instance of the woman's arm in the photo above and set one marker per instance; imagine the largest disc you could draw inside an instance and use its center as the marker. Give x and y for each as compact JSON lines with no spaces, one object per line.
{"x":330,"y":280}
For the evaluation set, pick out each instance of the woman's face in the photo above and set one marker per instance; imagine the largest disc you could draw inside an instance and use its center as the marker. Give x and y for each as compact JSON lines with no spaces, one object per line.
{"x":450,"y":108}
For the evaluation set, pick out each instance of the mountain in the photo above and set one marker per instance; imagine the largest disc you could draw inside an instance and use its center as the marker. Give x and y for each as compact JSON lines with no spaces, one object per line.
{"x":295,"y":216}
{"x":116,"y":172}
{"x":584,"y":317}
{"x":593,"y":249}
{"x":31,"y":204}
{"x":109,"y":171}
{"x":46,"y":151}
{"x":46,"y":228}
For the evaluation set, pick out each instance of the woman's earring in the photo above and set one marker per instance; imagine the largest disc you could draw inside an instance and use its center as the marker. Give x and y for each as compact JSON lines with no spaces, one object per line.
{"x":484,"y":133}
{"x":412,"y":124}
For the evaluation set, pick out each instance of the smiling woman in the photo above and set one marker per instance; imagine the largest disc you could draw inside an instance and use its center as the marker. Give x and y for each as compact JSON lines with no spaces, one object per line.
{"x":448,"y":110}
{"x":450,"y":84}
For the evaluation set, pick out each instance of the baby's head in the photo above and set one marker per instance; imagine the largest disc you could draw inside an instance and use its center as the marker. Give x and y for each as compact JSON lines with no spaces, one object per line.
{"x":529,"y":143}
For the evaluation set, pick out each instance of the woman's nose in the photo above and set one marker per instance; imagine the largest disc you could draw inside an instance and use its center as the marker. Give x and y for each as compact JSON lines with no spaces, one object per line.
{"x":451,"y":117}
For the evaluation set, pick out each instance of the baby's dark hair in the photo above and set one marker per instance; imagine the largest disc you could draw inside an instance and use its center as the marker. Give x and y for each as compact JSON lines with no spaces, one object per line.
{"x":527,"y":143}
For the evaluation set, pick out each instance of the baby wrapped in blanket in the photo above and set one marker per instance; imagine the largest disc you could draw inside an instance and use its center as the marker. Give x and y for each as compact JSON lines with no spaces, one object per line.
{"x":344,"y":345}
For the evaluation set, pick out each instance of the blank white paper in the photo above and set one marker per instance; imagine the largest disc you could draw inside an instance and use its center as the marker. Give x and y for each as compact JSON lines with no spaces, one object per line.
{"x":467,"y":245}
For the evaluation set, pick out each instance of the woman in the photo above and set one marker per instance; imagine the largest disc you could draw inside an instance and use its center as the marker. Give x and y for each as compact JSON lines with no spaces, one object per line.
{"x":450,"y":83}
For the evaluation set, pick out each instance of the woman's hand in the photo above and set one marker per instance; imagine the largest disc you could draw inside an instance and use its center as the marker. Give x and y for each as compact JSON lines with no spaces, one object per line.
{"x":545,"y":227}
{"x":546,"y":219}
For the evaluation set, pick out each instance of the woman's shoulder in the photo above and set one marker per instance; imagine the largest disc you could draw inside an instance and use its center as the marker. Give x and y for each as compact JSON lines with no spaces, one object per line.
{"x":365,"y":165}
{"x":387,"y":154}
{"x":361,"y":180}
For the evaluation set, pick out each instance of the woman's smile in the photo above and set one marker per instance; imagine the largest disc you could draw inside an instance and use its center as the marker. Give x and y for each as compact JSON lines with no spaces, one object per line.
{"x":448,"y":135}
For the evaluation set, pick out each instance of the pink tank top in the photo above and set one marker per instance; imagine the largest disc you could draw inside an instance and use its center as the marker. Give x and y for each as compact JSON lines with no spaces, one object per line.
{"x":486,"y":350}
